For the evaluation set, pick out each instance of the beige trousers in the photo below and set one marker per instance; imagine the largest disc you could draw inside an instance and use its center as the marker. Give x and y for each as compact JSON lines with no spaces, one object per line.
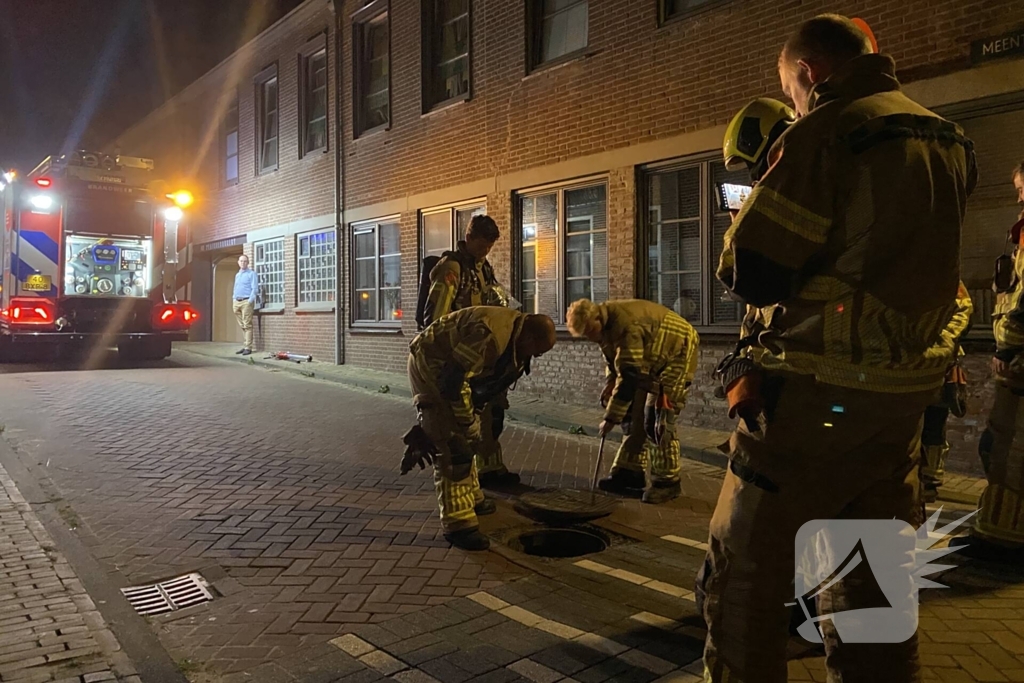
{"x":243,"y":313}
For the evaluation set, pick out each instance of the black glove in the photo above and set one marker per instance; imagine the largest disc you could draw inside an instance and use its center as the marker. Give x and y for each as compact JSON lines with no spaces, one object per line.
{"x":419,"y":450}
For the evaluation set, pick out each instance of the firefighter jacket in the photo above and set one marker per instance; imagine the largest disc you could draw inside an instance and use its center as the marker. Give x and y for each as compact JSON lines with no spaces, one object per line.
{"x":1008,"y":322}
{"x":854,"y":235}
{"x":961,"y":320}
{"x":459,"y":281}
{"x":645,"y":342}
{"x":471,"y":354}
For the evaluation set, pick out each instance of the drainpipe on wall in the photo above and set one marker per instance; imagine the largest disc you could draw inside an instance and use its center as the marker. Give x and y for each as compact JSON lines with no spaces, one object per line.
{"x":339,"y":189}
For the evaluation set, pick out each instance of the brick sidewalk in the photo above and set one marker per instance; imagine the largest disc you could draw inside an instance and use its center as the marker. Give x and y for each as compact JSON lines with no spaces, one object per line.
{"x":695,"y":443}
{"x":49,"y":627}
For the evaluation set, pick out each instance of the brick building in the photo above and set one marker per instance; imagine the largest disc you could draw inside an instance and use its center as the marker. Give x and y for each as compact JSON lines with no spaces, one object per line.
{"x":589,"y":129}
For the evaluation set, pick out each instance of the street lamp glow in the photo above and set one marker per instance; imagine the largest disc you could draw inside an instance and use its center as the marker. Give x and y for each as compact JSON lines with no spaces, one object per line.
{"x":42,"y":201}
{"x":173,"y":213}
{"x":182,"y":198}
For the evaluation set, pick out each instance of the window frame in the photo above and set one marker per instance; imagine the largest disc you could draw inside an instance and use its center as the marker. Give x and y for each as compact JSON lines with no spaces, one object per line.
{"x":227,"y":130}
{"x":333,"y":277}
{"x":534,"y":37}
{"x":664,"y":19}
{"x":561,"y":252}
{"x":453,"y":212}
{"x":361,"y":19}
{"x":374,"y":224}
{"x":311,"y":51}
{"x":430,"y":49}
{"x":258,"y":263}
{"x":261,"y":81}
{"x":708,"y":200}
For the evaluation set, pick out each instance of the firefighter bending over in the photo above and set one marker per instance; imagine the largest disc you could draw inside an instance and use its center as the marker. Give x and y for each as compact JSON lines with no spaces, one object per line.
{"x":853,"y":235}
{"x":464,"y":278}
{"x":652,"y":357}
{"x":456,"y":367}
{"x":998,"y":533}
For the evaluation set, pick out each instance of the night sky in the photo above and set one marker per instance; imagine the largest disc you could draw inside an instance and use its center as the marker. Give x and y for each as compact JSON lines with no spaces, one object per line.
{"x":75,"y":73}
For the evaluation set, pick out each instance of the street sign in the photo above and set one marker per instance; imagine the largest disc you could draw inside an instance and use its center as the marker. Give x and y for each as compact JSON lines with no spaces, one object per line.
{"x":998,"y":47}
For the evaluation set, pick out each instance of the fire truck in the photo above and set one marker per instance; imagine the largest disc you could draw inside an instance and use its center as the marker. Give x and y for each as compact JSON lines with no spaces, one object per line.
{"x":90,"y":253}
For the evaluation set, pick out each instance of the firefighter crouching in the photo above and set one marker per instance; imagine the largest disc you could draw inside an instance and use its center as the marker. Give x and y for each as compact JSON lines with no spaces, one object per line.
{"x":998,"y":531}
{"x":652,"y":357}
{"x":464,"y":278}
{"x":456,"y":367}
{"x":853,"y":236}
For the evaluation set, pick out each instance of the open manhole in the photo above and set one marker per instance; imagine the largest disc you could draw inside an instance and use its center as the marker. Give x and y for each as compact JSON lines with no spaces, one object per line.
{"x":168,"y":596}
{"x":558,"y":543}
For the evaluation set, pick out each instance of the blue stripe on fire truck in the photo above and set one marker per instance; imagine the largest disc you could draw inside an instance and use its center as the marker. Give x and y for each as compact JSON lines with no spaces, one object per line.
{"x":21,"y":271}
{"x":43,"y":242}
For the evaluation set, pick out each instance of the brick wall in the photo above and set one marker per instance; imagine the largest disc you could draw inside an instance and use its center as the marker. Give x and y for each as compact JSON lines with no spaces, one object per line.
{"x":185,"y":139}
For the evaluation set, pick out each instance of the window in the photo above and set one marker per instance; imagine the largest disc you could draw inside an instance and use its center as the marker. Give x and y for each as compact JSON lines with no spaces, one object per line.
{"x":269,"y":266}
{"x":564,"y":247}
{"x":230,"y":143}
{"x":377,"y":271}
{"x":315,"y":261}
{"x":673,"y":9}
{"x":442,"y":229}
{"x":557,"y":29}
{"x":267,"y":123}
{"x":313,"y":110}
{"x":371,"y":59}
{"x":446,"y":27}
{"x":684,"y":230}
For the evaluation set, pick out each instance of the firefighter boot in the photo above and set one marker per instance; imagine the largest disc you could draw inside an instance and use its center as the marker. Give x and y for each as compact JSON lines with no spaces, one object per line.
{"x":933,"y":467}
{"x":468,"y":539}
{"x":624,"y":482}
{"x":662,"y":492}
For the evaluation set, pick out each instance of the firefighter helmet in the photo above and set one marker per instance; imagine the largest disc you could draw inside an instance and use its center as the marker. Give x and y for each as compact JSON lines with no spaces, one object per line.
{"x":752,"y":132}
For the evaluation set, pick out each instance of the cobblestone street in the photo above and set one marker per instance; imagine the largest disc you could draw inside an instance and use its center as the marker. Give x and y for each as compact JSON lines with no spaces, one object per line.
{"x":325,"y":565}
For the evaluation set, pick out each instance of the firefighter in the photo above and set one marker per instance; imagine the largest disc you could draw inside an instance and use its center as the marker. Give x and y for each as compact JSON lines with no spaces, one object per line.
{"x":998,"y":531}
{"x":934,"y":446}
{"x":853,"y":235}
{"x":456,"y":367}
{"x":464,"y":278}
{"x":651,"y":355}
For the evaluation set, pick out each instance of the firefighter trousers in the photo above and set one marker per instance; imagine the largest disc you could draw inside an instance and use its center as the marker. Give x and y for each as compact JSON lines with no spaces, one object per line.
{"x":455,"y":477}
{"x":492,"y":422}
{"x":1001,"y":447}
{"x":638,"y":447}
{"x":822,"y":453}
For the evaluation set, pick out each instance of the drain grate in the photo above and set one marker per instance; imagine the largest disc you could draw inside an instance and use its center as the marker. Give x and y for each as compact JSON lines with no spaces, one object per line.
{"x":168,"y":596}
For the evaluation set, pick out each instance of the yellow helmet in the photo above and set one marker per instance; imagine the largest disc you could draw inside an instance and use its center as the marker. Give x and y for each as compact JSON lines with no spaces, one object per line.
{"x":752,"y":132}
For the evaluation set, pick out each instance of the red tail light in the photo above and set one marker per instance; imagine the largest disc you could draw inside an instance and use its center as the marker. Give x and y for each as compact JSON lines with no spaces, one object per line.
{"x":30,"y":311}
{"x":173,"y":316}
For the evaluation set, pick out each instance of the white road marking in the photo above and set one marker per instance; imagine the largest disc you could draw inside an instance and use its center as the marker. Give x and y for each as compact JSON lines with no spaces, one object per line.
{"x":685,"y":541}
{"x":637,"y":579}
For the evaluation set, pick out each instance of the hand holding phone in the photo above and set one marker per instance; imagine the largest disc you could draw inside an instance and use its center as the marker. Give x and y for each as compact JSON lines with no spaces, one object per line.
{"x":731,"y":197}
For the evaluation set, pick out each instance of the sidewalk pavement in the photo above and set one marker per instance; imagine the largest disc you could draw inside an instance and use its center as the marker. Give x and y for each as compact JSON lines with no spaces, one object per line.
{"x":695,"y":443}
{"x":50,"y":629}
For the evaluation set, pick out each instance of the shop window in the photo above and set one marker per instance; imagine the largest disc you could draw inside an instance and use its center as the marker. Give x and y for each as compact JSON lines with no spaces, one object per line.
{"x":230,"y":144}
{"x":267,"y":121}
{"x":684,"y":229}
{"x":372,"y":62}
{"x":269,"y":266}
{"x":316,"y":268}
{"x":557,"y":29}
{"x":446,"y":45}
{"x":563,"y":236}
{"x":674,"y":9}
{"x":441,"y":229}
{"x":377,"y":272}
{"x":313,"y":111}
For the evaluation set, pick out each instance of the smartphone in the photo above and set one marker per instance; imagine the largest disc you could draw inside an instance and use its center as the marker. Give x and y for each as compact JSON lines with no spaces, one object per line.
{"x":731,"y":197}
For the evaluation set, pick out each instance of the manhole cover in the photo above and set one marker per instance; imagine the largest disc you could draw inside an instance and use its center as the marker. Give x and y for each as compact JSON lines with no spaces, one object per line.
{"x":560,"y":543}
{"x":168,"y":596}
{"x":565,"y":505}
